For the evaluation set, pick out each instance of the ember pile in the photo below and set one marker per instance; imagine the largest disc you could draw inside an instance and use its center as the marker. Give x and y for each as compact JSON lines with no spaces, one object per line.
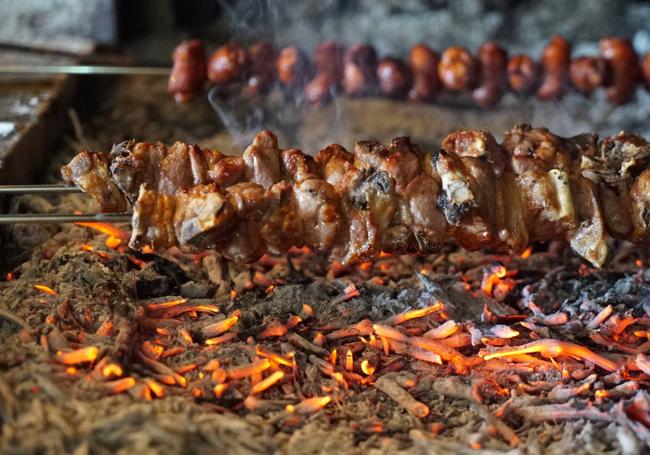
{"x":110,"y":348}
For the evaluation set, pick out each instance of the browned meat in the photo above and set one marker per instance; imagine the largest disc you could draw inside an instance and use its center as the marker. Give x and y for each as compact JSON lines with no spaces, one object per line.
{"x":89,"y":171}
{"x":534,"y":187}
{"x":189,"y":72}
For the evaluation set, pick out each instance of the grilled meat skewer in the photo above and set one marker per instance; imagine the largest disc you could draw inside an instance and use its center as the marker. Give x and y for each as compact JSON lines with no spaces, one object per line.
{"x":535,"y":186}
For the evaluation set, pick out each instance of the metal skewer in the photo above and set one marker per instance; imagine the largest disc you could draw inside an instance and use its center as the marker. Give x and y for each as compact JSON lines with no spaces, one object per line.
{"x":38,"y":189}
{"x":84,"y":69}
{"x":56,"y":218}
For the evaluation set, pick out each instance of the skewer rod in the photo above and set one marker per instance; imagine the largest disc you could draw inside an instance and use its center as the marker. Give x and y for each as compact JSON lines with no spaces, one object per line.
{"x":54,"y":218}
{"x":83,"y":69}
{"x":38,"y":189}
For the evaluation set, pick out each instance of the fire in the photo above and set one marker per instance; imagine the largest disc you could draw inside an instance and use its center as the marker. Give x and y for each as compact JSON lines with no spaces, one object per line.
{"x":333,"y":356}
{"x":9,"y":276}
{"x":45,"y":289}
{"x":105,"y":228}
{"x":552,"y":348}
{"x":268,"y":382}
{"x":82,"y":355}
{"x":309,"y":405}
{"x":87,"y":248}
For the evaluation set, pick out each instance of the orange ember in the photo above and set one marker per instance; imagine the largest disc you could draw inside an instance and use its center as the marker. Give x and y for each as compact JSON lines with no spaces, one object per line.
{"x":367,"y":368}
{"x":82,"y":355}
{"x":112,"y":370}
{"x":156,"y":388}
{"x":242,"y":371}
{"x":217,"y":328}
{"x":163,"y":305}
{"x":120,"y":385}
{"x":45,"y":289}
{"x":527,"y":252}
{"x":219,"y":390}
{"x":552,"y":348}
{"x":414,"y":314}
{"x":309,"y":405}
{"x":287,"y":362}
{"x":349,"y":360}
{"x":112,"y":242}
{"x":221,"y":339}
{"x":268,"y":382}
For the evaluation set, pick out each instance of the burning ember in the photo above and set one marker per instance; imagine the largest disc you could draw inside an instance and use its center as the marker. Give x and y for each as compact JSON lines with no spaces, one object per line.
{"x":402,"y":333}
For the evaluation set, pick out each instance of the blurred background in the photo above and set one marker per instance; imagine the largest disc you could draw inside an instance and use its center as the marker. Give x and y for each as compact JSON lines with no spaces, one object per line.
{"x":146,"y":31}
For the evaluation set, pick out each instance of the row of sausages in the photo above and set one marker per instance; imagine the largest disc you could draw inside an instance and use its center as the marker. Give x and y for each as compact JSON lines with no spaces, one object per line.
{"x":358,"y":71}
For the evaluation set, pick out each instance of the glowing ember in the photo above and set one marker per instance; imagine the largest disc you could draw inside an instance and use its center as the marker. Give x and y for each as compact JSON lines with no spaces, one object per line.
{"x":290,"y":362}
{"x":221,"y":339}
{"x":219,"y":390}
{"x":309,"y":405}
{"x":492,"y":277}
{"x":349,"y":360}
{"x":120,"y":385}
{"x":268,"y":382}
{"x":275,"y":329}
{"x":242,"y":371}
{"x":445,"y":330}
{"x":105,"y":228}
{"x":112,"y":370}
{"x":82,"y":355}
{"x":112,"y":242}
{"x":504,"y":331}
{"x":9,"y":276}
{"x":527,"y":252}
{"x":217,"y":328}
{"x":157,"y":389}
{"x":163,"y":305}
{"x":367,"y":368}
{"x":45,"y":289}
{"x":552,"y":348}
{"x":414,"y":314}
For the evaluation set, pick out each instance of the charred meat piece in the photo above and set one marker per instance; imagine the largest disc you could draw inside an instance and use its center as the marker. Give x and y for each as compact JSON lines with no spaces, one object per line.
{"x":89,"y":171}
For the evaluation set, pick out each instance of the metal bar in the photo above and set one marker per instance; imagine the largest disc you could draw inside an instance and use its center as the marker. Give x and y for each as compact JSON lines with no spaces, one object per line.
{"x":83,"y":69}
{"x":55,"y":218}
{"x":38,"y":189}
